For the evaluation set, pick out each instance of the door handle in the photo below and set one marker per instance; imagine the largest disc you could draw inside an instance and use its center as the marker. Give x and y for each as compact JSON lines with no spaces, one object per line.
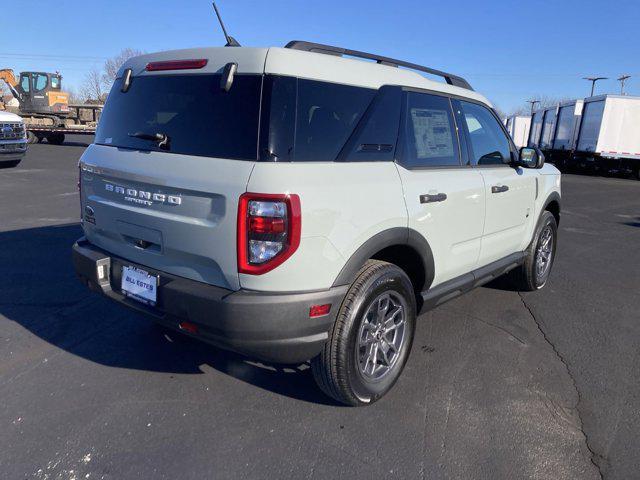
{"x":432,"y":198}
{"x":499,"y":188}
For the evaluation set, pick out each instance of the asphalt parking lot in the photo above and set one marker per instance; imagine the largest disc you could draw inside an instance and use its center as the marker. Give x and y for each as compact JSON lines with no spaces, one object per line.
{"x":499,"y":384}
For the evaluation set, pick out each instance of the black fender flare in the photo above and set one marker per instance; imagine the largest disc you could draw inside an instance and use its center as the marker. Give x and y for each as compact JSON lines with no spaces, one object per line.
{"x":553,"y":197}
{"x":388,"y":238}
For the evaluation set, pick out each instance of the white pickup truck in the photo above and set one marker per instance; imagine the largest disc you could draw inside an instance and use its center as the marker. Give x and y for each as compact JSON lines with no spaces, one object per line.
{"x":13,"y":140}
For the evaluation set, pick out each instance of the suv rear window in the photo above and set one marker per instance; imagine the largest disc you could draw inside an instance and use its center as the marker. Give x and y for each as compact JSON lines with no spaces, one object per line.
{"x":192,"y":110}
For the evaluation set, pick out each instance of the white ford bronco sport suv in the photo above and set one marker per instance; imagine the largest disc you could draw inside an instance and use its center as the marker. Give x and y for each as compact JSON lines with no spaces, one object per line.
{"x":13,"y":140}
{"x":292,"y":204}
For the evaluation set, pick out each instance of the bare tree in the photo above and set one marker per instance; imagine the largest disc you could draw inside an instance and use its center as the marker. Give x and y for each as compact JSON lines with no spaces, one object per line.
{"x":112,"y":65}
{"x":91,"y":89}
{"x":74,"y":97}
{"x":499,"y":111}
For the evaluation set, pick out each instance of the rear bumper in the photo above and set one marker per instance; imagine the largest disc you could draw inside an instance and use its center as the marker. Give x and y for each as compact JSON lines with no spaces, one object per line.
{"x":266,"y":326}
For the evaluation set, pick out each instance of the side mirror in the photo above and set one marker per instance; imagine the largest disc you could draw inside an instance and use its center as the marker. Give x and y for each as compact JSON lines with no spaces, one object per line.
{"x":531,"y":157}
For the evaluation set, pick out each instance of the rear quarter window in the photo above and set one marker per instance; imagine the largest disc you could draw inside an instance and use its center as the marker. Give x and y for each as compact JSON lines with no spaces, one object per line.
{"x":192,"y":110}
{"x":308,"y":120}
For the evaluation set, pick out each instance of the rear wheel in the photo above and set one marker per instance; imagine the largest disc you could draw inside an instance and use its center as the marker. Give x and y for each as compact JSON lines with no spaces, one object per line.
{"x":55,"y":138}
{"x":371,"y":338}
{"x":539,"y":257}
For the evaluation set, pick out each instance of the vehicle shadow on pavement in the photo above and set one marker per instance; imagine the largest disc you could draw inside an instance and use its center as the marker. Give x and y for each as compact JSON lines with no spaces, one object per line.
{"x":39,"y":291}
{"x":506,"y":282}
{"x":633,"y":224}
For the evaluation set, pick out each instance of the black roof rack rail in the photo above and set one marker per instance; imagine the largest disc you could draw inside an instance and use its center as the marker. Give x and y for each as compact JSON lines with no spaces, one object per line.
{"x":338,"y":51}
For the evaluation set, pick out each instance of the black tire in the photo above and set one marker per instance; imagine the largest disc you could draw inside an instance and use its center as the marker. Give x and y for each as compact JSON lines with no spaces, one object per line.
{"x":528,"y":276}
{"x":32,"y":138}
{"x":55,"y":138}
{"x":11,"y":164}
{"x":338,"y":368}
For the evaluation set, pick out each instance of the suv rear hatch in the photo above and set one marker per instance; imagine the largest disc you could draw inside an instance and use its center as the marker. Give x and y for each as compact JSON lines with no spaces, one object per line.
{"x":172,"y":155}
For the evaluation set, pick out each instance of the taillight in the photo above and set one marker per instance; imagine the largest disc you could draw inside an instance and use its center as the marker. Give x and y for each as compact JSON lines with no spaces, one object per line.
{"x":269,"y":228}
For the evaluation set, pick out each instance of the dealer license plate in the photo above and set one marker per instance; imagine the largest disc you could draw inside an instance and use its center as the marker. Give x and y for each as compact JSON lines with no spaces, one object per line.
{"x":139,"y":285}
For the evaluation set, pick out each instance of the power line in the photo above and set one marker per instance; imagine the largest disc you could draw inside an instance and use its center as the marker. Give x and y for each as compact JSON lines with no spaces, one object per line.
{"x":45,"y":55}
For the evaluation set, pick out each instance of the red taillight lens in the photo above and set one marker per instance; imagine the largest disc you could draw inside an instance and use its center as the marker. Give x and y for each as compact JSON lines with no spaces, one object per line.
{"x":269,"y":229}
{"x":266,"y":225}
{"x":188,"y":327}
{"x":176,"y":65}
{"x":319,"y":310}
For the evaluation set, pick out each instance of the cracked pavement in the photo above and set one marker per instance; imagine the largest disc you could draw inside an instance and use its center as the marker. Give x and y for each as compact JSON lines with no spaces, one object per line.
{"x":499,"y":385}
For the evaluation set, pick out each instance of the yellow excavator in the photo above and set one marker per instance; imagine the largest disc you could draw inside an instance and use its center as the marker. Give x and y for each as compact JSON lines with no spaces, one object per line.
{"x":45,"y":108}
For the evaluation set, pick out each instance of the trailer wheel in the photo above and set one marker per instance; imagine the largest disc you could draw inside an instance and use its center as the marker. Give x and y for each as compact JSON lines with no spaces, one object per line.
{"x":55,"y":138}
{"x":32,"y":138}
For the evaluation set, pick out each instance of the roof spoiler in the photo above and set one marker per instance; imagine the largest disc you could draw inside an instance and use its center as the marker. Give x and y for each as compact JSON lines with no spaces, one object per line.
{"x":392,"y":62}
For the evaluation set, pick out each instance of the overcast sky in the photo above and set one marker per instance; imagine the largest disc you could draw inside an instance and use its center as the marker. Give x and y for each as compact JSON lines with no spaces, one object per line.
{"x":507,"y":50}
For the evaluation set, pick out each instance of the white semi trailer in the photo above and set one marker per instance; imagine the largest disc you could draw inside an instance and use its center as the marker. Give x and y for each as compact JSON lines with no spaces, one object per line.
{"x":565,"y":135}
{"x":609,"y":134}
{"x":548,"y":128}
{"x":518,"y":127}
{"x":536,"y":128}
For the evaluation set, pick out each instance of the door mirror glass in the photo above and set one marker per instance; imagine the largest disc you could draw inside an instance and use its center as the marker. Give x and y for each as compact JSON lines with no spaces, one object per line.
{"x":531,"y":158}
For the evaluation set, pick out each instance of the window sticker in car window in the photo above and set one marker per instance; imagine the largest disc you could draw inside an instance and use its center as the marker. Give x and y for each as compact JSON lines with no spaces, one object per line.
{"x":432,"y":133}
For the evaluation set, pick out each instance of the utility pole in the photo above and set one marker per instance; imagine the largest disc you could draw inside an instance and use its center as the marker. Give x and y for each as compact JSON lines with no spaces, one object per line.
{"x":593,"y":81}
{"x":533,"y":104}
{"x":623,"y":79}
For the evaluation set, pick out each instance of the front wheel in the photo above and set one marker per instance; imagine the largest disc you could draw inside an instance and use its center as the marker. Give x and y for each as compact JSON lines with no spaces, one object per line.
{"x":540,"y":254}
{"x":371,"y":339}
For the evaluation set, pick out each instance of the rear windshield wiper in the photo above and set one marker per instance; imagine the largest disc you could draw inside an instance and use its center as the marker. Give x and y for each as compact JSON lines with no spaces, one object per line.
{"x":162,"y":139}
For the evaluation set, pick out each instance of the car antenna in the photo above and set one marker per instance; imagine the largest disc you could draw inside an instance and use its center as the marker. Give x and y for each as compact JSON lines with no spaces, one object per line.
{"x":231,"y":42}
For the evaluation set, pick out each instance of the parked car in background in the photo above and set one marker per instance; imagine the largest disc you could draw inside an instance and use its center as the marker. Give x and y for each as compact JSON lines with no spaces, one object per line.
{"x":292,"y":204}
{"x":13,"y":140}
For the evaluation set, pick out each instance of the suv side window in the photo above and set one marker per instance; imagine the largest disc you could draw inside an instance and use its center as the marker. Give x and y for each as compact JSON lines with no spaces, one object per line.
{"x":375,"y":137}
{"x":429,"y":137}
{"x":307,"y":120}
{"x":327,"y":113}
{"x":489,"y":143}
